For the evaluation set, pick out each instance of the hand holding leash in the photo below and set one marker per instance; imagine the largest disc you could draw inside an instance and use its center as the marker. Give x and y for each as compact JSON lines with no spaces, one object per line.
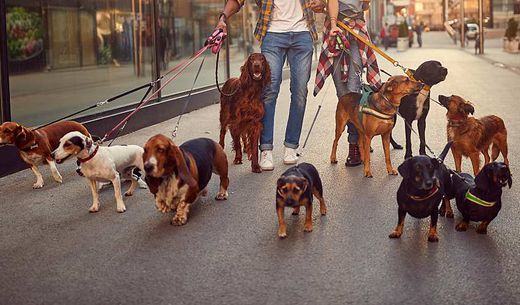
{"x":216,"y":39}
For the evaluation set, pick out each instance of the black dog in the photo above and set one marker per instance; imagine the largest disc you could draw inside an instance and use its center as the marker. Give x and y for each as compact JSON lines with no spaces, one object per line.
{"x":295,"y":188}
{"x":423,"y":187}
{"x":480,"y":199}
{"x":416,"y":106}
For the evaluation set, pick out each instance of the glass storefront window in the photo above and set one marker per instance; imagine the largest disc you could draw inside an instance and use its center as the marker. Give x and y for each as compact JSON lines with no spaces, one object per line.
{"x":67,"y":55}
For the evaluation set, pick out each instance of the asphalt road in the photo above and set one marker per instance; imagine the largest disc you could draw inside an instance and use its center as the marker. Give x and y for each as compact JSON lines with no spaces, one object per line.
{"x":52,"y":251}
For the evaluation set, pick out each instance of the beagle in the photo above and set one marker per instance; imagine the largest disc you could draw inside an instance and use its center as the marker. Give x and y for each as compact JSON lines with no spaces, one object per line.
{"x":102,"y":164}
{"x":36,"y":146}
{"x":177,"y":175}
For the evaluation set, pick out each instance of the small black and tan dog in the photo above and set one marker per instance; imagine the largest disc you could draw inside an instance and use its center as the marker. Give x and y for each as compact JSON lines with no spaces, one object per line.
{"x":423,"y":187}
{"x":295,"y":188}
{"x":480,"y":199}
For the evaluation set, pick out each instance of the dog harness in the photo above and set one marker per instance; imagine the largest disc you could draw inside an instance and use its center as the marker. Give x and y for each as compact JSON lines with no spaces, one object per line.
{"x":364,"y":105}
{"x":472,"y":198}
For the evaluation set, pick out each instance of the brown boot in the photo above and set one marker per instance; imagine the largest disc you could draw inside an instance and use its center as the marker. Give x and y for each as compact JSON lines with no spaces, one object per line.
{"x":354,"y":156}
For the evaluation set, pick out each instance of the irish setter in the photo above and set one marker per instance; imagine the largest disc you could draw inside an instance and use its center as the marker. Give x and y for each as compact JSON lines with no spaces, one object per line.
{"x":242,"y":108}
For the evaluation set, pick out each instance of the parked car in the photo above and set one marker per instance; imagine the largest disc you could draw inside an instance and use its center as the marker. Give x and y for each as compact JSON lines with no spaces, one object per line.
{"x":472,"y":32}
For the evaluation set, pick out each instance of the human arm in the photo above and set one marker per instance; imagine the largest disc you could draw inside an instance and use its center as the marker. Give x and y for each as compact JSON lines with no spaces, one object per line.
{"x":231,"y":8}
{"x":365,"y":5}
{"x":318,"y":6}
{"x":333,"y":8}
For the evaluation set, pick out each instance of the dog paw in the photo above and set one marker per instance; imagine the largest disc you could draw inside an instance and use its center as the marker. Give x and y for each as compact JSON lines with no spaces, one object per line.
{"x":323,"y":211}
{"x":58,"y":179}
{"x":395,"y":234}
{"x":222,"y":196}
{"x":179,"y":220}
{"x":307,"y":228}
{"x":449,"y":214}
{"x":461,"y":227}
{"x":368,"y":174}
{"x":282,"y":235}
{"x":204,"y":192}
{"x":38,"y":185}
{"x":128,"y":193}
{"x":256,"y":169}
{"x":296,"y":211}
{"x":481,"y":231}
{"x":237,"y":161}
{"x":121,"y":209}
{"x":93,"y":209}
{"x":442,"y":212}
{"x":433,"y":238}
{"x":392,"y":172}
{"x":333,"y":161}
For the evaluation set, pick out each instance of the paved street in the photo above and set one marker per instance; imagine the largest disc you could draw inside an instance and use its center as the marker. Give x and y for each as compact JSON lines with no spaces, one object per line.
{"x":52,"y":251}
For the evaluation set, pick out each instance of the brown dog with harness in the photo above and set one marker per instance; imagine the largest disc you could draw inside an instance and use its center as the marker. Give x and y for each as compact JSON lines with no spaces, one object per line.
{"x":375,"y":118}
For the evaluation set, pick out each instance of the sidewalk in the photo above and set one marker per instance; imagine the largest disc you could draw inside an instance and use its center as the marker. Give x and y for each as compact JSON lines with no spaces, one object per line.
{"x":52,"y":251}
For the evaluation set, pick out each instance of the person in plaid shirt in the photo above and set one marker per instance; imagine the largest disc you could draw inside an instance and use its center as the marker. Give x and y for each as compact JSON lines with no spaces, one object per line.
{"x":347,"y":78}
{"x":285,"y":30}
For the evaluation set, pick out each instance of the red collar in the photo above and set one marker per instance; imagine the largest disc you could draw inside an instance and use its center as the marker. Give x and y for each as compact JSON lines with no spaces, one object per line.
{"x":433,"y":191}
{"x":92,"y":155}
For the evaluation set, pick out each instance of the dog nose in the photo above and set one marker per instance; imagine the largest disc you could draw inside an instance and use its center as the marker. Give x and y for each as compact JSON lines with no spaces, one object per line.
{"x":148,"y":167}
{"x":53,"y":155}
{"x":428,"y":184}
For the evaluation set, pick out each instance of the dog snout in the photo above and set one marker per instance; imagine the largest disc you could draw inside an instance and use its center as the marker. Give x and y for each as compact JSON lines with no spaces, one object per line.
{"x":148,"y":167}
{"x":290,"y":202}
{"x":428,"y":184}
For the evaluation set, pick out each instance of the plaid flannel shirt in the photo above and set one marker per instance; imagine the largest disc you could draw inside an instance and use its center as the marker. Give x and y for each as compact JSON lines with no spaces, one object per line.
{"x":368,"y":57}
{"x":264,"y":18}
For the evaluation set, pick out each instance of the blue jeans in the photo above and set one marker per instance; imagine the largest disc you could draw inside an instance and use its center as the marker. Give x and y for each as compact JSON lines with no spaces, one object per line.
{"x":353,"y":83}
{"x":297,"y":47}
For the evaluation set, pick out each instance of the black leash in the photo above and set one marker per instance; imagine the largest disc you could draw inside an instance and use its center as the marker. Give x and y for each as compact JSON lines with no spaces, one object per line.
{"x":174,"y":132}
{"x":216,"y":79}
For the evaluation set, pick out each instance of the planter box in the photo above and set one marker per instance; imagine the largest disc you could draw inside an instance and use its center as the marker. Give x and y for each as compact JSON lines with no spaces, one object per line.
{"x":511,"y":46}
{"x":402,"y":44}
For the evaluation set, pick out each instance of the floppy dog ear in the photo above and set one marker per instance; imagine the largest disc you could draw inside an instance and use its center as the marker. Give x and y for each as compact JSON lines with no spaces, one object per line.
{"x":245,"y":74}
{"x":404,"y":168}
{"x":153,"y":183}
{"x":510,"y":178}
{"x":388,"y":86}
{"x":21,"y":135}
{"x":175,"y":154}
{"x":482,"y":179}
{"x":468,"y":108}
{"x":267,"y":73}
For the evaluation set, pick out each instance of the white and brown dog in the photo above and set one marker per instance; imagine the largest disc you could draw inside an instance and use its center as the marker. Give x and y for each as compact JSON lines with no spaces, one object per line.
{"x":177,"y":175}
{"x":36,"y":146}
{"x":102,"y":164}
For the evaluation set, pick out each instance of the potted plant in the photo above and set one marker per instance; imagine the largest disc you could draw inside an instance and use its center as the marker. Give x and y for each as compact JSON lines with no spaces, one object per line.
{"x":402,"y":39}
{"x":511,"y":40}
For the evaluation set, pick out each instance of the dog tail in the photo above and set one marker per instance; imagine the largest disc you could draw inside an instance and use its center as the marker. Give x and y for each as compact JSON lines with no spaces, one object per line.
{"x":444,"y":152}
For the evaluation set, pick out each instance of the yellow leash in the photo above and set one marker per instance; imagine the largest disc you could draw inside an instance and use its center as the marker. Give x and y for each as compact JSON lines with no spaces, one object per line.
{"x":375,"y":48}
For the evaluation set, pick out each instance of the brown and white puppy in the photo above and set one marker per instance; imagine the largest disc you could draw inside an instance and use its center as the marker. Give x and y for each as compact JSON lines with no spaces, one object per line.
{"x":472,"y":136}
{"x":102,"y":164}
{"x":36,"y":145}
{"x":296,"y":188}
{"x":383,"y":104}
{"x":177,"y":175}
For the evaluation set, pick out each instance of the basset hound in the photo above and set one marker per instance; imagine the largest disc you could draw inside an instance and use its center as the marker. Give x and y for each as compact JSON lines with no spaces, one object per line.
{"x":177,"y":175}
{"x":35,"y":146}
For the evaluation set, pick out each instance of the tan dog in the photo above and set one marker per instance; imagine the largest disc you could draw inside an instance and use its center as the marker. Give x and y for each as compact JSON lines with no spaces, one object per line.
{"x":37,"y":145}
{"x":378,"y":119}
{"x":472,"y":136}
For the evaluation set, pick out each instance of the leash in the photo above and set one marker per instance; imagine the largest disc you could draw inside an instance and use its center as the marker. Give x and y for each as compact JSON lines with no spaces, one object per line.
{"x":148,"y":99}
{"x":343,"y":51}
{"x":394,"y":62}
{"x":174,"y":132}
{"x":217,"y":83}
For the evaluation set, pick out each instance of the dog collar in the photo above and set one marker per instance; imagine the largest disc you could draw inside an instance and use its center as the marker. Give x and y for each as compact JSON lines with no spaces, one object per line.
{"x":433,"y":191}
{"x":30,"y":147}
{"x":471,"y":197}
{"x":90,"y":156}
{"x":426,"y":87}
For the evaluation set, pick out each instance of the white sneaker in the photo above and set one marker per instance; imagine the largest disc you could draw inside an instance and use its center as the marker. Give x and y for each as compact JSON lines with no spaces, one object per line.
{"x":290,"y":156}
{"x":266,"y":160}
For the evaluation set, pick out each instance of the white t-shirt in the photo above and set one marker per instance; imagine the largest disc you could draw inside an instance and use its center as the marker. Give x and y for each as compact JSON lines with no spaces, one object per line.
{"x":287,"y":16}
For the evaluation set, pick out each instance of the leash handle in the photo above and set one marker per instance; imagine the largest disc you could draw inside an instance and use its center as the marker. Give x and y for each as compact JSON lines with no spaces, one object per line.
{"x":215,"y":40}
